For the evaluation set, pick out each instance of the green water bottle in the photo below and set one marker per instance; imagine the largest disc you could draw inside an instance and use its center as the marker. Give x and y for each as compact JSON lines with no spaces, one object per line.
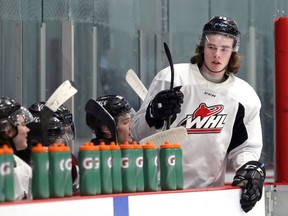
{"x":40,"y":172}
{"x":56,"y":171}
{"x":128,"y":168}
{"x":105,"y":168}
{"x":68,"y":185}
{"x":116,"y":168}
{"x":2,"y":176}
{"x":150,"y":166}
{"x":8,"y":173}
{"x":89,"y":167}
{"x":138,"y":153}
{"x":179,"y":167}
{"x":167,"y":166}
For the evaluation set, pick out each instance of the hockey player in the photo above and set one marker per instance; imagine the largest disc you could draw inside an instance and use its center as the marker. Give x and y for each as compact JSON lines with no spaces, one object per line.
{"x":13,"y":121}
{"x":61,"y":130}
{"x":114,"y":127}
{"x":219,"y":110}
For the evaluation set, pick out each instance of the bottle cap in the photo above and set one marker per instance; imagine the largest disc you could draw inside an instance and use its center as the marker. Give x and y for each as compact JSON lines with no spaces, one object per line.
{"x":103,"y":146}
{"x":136,"y":145}
{"x":113,"y":146}
{"x":39,"y":148}
{"x":64,"y":147}
{"x":7,"y":149}
{"x":55,"y":148}
{"x":126,"y":145}
{"x":87,"y":146}
{"x":166,"y":145}
{"x":148,"y":145}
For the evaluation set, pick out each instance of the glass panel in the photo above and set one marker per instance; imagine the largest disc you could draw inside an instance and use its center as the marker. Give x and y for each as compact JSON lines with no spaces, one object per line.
{"x":109,"y":37}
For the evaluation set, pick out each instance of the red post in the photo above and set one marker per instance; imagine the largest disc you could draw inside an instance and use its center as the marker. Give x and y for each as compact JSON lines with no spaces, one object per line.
{"x":281,"y":99}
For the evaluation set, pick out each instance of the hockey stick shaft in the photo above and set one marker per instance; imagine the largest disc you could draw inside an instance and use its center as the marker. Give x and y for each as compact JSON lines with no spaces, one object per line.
{"x":168,"y":54}
{"x":136,"y":84}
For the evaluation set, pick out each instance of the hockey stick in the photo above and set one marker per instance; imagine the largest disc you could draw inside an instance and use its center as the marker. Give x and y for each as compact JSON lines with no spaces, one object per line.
{"x":168,"y":54}
{"x":173,"y":135}
{"x":64,"y":92}
{"x":101,"y":114}
{"x":136,"y":84}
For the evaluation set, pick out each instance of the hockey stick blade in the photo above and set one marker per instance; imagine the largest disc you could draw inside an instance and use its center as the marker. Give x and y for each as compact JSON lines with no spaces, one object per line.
{"x":173,"y":135}
{"x":64,"y":92}
{"x":136,"y":84}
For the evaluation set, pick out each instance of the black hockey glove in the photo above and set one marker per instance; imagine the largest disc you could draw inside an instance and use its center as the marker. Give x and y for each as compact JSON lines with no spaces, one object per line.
{"x":250,"y":177}
{"x":165,"y":104}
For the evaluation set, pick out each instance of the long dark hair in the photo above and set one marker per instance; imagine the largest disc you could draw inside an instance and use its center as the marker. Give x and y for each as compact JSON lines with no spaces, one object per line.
{"x":233,"y":65}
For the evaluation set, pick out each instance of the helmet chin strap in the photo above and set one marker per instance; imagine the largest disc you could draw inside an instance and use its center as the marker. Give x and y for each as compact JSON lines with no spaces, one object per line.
{"x":214,"y":71}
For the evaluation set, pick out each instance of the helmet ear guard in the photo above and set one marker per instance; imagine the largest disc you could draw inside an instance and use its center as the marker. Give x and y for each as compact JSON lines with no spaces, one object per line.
{"x":97,"y":116}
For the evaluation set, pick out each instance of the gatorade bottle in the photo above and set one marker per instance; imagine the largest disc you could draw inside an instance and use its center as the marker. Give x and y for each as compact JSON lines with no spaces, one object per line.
{"x":2,"y":165}
{"x":179,"y":167}
{"x":138,"y":152}
{"x":97,"y":169}
{"x":89,"y":167}
{"x":68,"y":185}
{"x":56,"y":171}
{"x":128,"y":168}
{"x":167,"y":167}
{"x":150,"y":167}
{"x":105,"y":168}
{"x":8,"y":170}
{"x":116,"y":168}
{"x":40,"y":172}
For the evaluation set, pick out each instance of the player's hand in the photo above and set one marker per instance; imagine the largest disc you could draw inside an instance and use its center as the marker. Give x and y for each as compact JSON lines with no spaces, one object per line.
{"x":250,"y":177}
{"x":165,"y":104}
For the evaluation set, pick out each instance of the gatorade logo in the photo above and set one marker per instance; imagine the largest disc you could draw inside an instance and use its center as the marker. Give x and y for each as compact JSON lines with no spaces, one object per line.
{"x":96,"y":163}
{"x":109,"y":162}
{"x":68,"y":164}
{"x":125,"y":162}
{"x":87,"y":163}
{"x":62,"y":165}
{"x":139,"y":162}
{"x":5,"y":168}
{"x":156,"y":161}
{"x":171,"y":160}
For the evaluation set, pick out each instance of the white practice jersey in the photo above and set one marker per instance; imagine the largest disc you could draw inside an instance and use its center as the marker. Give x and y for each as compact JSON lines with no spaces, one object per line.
{"x":222,"y":122}
{"x":22,"y":179}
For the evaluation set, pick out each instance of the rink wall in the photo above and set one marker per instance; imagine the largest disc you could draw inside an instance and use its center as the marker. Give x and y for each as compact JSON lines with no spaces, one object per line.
{"x":216,"y":201}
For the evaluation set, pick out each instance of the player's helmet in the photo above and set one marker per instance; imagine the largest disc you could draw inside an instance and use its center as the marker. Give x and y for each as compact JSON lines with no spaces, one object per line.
{"x":10,"y":110}
{"x":222,"y":25}
{"x":61,"y":125}
{"x":116,"y":105}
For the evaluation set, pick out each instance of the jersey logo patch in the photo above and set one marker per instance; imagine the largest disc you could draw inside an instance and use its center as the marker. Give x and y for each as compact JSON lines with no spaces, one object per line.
{"x":205,"y":120}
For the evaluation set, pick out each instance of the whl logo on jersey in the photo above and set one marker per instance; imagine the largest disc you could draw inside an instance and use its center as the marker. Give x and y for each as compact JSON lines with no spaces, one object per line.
{"x":205,"y":120}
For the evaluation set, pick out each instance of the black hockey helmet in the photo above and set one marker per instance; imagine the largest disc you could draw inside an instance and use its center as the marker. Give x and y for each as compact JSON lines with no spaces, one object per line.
{"x":116,"y":105}
{"x":10,"y":110}
{"x":222,"y":25}
{"x":111,"y":108}
{"x":61,"y":125}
